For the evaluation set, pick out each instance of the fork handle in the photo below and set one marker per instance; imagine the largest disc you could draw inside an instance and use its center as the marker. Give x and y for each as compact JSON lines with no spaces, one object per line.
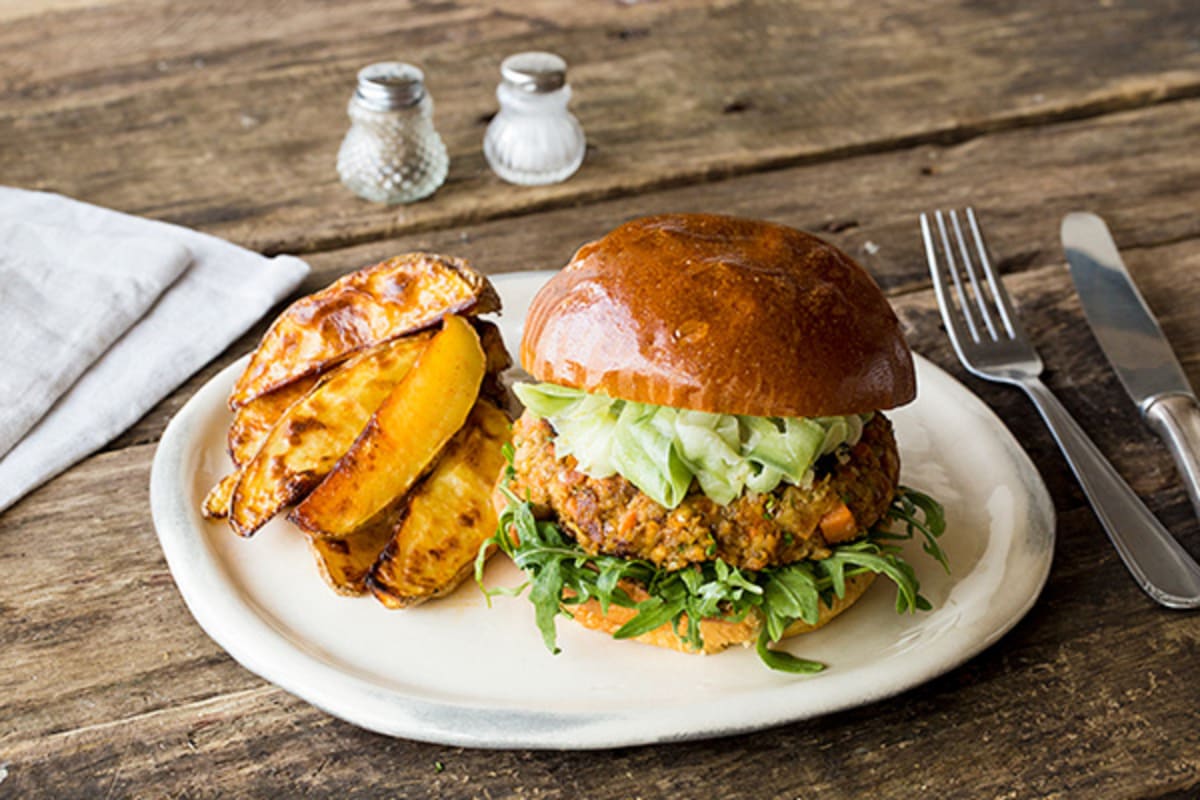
{"x":1155,"y":559}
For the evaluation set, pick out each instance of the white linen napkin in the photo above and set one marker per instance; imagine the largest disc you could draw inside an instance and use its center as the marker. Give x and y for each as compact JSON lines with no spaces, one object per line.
{"x":222,"y":292}
{"x":64,"y":299}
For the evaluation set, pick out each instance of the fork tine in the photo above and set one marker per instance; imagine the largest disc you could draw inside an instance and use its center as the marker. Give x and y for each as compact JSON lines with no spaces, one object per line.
{"x":980,"y":299}
{"x":1007,"y":314}
{"x":964,"y":309}
{"x":954,"y":325}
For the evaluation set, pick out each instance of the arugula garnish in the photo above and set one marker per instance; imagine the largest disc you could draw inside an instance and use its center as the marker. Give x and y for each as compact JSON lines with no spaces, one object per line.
{"x":562,"y":575}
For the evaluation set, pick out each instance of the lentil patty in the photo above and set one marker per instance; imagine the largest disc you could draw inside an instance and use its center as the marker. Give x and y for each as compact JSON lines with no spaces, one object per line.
{"x":754,"y":531}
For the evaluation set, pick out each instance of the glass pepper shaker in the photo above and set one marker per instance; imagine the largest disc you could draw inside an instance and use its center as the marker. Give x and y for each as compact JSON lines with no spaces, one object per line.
{"x":392,"y":153}
{"x":534,"y":139}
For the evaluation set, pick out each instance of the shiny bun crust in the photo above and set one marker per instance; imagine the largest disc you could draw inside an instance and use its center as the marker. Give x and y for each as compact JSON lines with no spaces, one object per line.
{"x":720,"y":314}
{"x":717,"y":634}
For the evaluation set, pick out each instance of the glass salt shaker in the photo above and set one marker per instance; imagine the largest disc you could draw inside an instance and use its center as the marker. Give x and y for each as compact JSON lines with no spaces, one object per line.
{"x":534,"y":139}
{"x":392,"y":153}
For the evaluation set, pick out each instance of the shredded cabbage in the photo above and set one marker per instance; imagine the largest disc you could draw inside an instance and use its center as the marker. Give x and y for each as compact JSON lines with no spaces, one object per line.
{"x":661,"y":450}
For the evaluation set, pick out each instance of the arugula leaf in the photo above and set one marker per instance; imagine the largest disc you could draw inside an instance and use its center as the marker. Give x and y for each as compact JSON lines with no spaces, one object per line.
{"x":561,"y":575}
{"x":545,"y":593}
{"x":784,"y":662}
{"x":931,"y":524}
{"x":791,"y":594}
{"x":652,"y":613}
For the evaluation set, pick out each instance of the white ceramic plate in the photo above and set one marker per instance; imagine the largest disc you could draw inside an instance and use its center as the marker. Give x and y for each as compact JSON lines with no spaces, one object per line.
{"x":458,"y":672}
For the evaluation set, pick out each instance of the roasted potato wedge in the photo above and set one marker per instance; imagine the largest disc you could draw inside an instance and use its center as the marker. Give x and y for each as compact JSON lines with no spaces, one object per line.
{"x":251,"y":424}
{"x":216,"y":502}
{"x":253,"y":421}
{"x":449,"y":515}
{"x":317,"y":430}
{"x":391,"y":299}
{"x":402,"y":438}
{"x":428,"y":563}
{"x":345,"y":561}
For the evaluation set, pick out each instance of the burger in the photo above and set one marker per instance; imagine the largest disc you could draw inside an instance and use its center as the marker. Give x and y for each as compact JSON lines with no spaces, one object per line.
{"x":703,"y":460}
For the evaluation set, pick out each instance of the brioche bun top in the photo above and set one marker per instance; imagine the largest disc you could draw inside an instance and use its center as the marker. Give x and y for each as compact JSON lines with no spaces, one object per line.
{"x":720,"y":314}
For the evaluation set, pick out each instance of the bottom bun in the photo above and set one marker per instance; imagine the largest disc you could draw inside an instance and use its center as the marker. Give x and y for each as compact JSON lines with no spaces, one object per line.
{"x":717,"y":634}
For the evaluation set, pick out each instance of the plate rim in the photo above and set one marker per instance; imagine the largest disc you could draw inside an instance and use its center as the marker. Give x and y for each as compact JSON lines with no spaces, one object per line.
{"x":235,"y":626}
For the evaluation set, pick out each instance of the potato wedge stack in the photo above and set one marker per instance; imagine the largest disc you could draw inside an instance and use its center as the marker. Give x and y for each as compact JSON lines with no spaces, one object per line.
{"x":372,"y":409}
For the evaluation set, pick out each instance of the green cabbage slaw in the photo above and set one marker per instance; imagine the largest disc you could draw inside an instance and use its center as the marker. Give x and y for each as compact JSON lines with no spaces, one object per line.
{"x":660,"y":449}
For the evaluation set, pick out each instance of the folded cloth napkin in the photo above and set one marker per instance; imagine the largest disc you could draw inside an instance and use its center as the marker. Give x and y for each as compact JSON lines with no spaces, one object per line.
{"x":113,"y":313}
{"x":64,"y":298}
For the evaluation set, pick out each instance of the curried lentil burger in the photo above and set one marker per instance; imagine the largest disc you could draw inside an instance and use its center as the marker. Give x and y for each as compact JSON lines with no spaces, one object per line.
{"x":703,"y":460}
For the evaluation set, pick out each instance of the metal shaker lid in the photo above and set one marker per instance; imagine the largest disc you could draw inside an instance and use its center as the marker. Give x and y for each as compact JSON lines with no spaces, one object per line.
{"x":535,"y":71}
{"x":390,"y":85}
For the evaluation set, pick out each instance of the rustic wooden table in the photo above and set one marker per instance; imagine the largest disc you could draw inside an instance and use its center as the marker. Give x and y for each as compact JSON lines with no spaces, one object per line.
{"x":846,"y":119}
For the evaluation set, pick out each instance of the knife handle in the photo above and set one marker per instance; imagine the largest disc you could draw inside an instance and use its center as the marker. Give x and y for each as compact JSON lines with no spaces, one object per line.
{"x":1176,"y":418}
{"x":1156,"y":560}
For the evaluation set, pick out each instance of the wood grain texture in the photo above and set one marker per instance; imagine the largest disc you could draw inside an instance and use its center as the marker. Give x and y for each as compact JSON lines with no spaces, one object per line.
{"x":847,"y":120}
{"x":15,"y":9}
{"x":230,"y":120}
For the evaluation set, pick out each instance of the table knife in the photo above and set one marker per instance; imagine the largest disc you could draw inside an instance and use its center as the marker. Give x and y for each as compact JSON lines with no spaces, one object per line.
{"x":1133,"y":343}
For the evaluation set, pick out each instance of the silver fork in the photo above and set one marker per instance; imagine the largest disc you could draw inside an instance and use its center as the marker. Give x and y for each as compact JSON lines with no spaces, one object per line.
{"x":989,"y":341}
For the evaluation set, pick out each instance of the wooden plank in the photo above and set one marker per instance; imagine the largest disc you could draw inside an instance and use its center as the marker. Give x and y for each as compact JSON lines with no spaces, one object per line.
{"x":1136,"y":169}
{"x":231,"y":122}
{"x":94,"y":628}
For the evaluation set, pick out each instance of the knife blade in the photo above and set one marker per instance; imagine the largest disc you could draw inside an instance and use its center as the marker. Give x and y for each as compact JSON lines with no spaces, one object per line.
{"x":1133,"y":342}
